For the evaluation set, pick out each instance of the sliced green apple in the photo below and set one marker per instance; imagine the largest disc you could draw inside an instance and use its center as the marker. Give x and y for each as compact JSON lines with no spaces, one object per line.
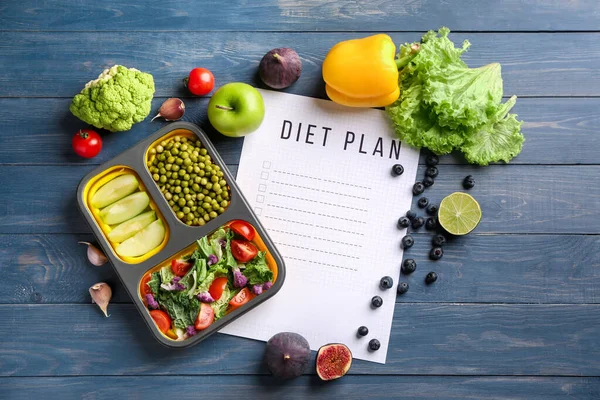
{"x":115,"y":190}
{"x":125,"y":209}
{"x":129,"y":228}
{"x":144,"y":241}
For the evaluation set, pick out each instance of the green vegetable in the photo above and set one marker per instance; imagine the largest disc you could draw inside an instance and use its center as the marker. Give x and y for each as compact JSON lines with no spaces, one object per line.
{"x":154,"y":282}
{"x":220,"y":305}
{"x":445,"y":105}
{"x":117,"y":99}
{"x":257,"y":271}
{"x":166,"y":274}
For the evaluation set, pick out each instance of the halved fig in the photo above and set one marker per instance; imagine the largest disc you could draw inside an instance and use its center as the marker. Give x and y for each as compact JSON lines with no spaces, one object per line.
{"x":333,"y":361}
{"x":287,"y":355}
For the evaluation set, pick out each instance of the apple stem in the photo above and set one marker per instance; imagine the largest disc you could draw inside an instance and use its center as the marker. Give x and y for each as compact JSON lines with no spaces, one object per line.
{"x":224,"y":108}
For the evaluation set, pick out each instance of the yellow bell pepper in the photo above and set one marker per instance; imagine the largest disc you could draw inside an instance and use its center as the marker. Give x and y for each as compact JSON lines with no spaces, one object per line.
{"x":362,"y":72}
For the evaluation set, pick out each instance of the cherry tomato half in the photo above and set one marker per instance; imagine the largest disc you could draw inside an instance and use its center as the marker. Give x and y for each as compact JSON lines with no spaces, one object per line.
{"x":241,"y":298}
{"x":144,"y":288}
{"x":162,"y":319}
{"x":87,"y":143}
{"x":217,"y":287}
{"x":206,"y":316}
{"x":243,"y":251}
{"x":243,"y":228}
{"x":180,"y":267}
{"x":200,"y":82}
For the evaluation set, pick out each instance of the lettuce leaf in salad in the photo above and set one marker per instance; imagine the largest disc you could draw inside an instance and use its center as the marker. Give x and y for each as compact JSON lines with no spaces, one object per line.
{"x":257,"y":270}
{"x":220,"y":306}
{"x":182,"y":309}
{"x":166,"y":274}
{"x":154,"y":282}
{"x":204,"y":248}
{"x":212,"y":274}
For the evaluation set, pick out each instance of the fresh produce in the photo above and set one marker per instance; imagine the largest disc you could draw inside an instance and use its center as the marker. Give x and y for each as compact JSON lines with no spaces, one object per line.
{"x":287,"y":355}
{"x":410,"y":214}
{"x":418,"y":188}
{"x":430,"y":278}
{"x":431,"y":172}
{"x":162,"y":320}
{"x":427,"y":181}
{"x":423,"y":202}
{"x":408,"y":266}
{"x":397,"y":170}
{"x":386,"y":282}
{"x":432,"y":160}
{"x":459,"y":213}
{"x":87,"y":143}
{"x":131,"y":227}
{"x":376,"y":302}
{"x":236,"y":109}
{"x":171,"y":109}
{"x":407,"y":242}
{"x":193,"y":185}
{"x":200,"y":81}
{"x":417,"y":223}
{"x":446,"y":105}
{"x":101,"y":294}
{"x":244,"y":229}
{"x":431,"y":209}
{"x":402,"y":288}
{"x":436,"y":253}
{"x":114,"y":190}
{"x":430,"y":224}
{"x":124,"y":209}
{"x":201,"y":287}
{"x":438,"y":240}
{"x":243,"y":250}
{"x":374,"y":345}
{"x":142,"y":242}
{"x":469,"y":182}
{"x":362,"y":72}
{"x":403,"y":222}
{"x":280,"y":67}
{"x":117,"y":99}
{"x":363,"y":331}
{"x":95,"y":255}
{"x":333,"y":361}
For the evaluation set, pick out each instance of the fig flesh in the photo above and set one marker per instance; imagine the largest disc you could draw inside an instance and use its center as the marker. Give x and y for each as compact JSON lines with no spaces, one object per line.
{"x":280,"y":67}
{"x":333,"y":361}
{"x":287,"y":355}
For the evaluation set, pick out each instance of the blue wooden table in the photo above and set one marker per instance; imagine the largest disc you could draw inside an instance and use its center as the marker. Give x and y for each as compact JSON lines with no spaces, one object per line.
{"x":516,"y":311}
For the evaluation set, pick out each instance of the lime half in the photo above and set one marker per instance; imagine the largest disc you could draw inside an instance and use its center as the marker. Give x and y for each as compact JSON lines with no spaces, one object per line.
{"x":459,"y":213}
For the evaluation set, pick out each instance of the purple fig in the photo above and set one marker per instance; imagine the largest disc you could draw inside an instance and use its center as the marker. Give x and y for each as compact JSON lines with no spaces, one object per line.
{"x":333,"y":361}
{"x":287,"y":355}
{"x":280,"y":67}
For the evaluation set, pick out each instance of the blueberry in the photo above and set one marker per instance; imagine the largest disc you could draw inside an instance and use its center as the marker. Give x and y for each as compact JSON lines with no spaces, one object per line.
{"x":418,"y":188}
{"x":431,"y":209}
{"x":428,"y":181}
{"x":403,"y":222}
{"x":410,"y":214}
{"x":438,"y":240}
{"x":430,"y":224}
{"x":432,"y":160}
{"x":430,"y":278}
{"x":376,"y":302}
{"x":386,"y":282}
{"x":468,"y":182}
{"x":402,"y":287}
{"x":374,"y":345}
{"x":408,"y":266}
{"x":407,"y":242}
{"x":418,"y":222}
{"x":363,"y":331}
{"x":423,"y":202}
{"x":397,"y":170}
{"x":431,"y":172}
{"x":436,"y":253}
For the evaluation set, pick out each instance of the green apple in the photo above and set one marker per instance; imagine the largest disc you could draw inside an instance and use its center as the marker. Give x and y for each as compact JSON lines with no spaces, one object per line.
{"x":236,"y":109}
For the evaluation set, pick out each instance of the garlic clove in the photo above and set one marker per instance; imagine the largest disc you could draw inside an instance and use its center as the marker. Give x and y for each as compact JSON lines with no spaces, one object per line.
{"x":95,"y":255}
{"x":171,"y":110}
{"x":101,"y":294}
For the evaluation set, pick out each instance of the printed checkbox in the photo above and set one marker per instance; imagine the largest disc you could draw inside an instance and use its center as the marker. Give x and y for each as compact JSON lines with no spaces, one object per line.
{"x":260,"y":198}
{"x":266,"y":164}
{"x":262,"y":188}
{"x":264,"y":175}
{"x":258,"y":211}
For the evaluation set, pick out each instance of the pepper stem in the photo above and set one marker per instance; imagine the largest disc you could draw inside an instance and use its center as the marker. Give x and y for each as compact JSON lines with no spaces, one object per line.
{"x":403,"y":61}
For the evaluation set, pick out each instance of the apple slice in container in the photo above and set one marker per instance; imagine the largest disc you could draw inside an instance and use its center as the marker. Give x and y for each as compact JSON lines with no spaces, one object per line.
{"x":144,"y":241}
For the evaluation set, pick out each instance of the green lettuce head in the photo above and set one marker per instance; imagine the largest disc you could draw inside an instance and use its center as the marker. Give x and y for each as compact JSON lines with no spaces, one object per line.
{"x":117,"y":99}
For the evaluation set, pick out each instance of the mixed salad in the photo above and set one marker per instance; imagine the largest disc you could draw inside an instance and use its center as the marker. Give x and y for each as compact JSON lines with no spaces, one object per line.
{"x":224,"y":272}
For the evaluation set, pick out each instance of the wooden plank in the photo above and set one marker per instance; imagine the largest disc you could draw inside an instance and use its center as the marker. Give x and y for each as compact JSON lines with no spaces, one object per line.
{"x":351,"y":387}
{"x":557,"y":131}
{"x":480,"y":268}
{"x":532,"y":65}
{"x":288,"y":15}
{"x":514,"y":198}
{"x":437,"y":339}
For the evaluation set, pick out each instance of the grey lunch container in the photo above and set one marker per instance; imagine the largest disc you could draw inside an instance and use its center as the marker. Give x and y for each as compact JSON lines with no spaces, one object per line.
{"x":179,"y":235}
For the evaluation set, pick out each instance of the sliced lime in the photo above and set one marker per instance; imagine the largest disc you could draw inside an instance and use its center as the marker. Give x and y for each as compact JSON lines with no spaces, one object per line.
{"x":459,"y":213}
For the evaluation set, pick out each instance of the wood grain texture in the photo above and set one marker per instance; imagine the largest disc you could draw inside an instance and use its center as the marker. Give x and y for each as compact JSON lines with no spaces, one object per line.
{"x":62,"y":62}
{"x":311,"y":15}
{"x":351,"y":387}
{"x":478,"y":268}
{"x":557,"y":131}
{"x":513,"y":198}
{"x":437,"y":339}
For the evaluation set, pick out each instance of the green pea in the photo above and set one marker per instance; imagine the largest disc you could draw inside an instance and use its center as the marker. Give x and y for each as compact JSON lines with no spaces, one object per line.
{"x":169,"y":145}
{"x":175,"y":168}
{"x":196,"y":187}
{"x":218,"y":191}
{"x":217,"y":188}
{"x":220,"y":174}
{"x":184,"y":147}
{"x":189,"y":169}
{"x":208,"y":199}
{"x":163,"y":179}
{"x":214,"y":179}
{"x":203,"y":181}
{"x":152,"y":151}
{"x":171,"y":203}
{"x":177,"y":189}
{"x":190,"y":216}
{"x":178,"y":161}
{"x":203,"y":152}
{"x":162,"y":171}
{"x":213,"y":214}
{"x":221,"y":210}
{"x":171,"y":160}
{"x":176,"y":208}
{"x":155,"y":177}
{"x":206,"y":205}
{"x":194,"y":158}
{"x":168,"y":196}
{"x":200,"y":196}
{"x":181,"y":202}
{"x":187,"y":197}
{"x":204,"y":191}
{"x":184,"y":154}
{"x":180,"y":214}
{"x":175,"y":151}
{"x":177,"y":138}
{"x":222,"y":183}
{"x":160,"y":149}
{"x":202,"y":173}
{"x":175,"y":197}
{"x":208,"y":185}
{"x":188,"y":223}
{"x":206,"y":217}
{"x":161,"y":157}
{"x":185,"y":183}
{"x":225,"y":194}
{"x":184,"y":139}
{"x":201,"y":221}
{"x":191,"y":203}
{"x":186,"y":210}
{"x":224,"y":203}
{"x":168,"y":167}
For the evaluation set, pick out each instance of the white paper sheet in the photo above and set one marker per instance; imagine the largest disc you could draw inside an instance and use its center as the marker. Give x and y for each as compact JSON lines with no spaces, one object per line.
{"x":319,"y":177}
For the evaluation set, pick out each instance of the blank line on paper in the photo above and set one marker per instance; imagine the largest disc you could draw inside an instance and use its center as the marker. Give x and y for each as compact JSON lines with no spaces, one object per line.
{"x":317,"y":250}
{"x":322,"y":179}
{"x":320,"y":202}
{"x":320,"y":263}
{"x":320,"y":190}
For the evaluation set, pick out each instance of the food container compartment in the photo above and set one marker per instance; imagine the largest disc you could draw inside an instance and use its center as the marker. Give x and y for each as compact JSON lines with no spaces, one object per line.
{"x":184,"y":268}
{"x":124,"y":229}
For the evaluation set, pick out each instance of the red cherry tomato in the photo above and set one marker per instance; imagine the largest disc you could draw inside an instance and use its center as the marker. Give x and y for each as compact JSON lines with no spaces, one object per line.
{"x":243,"y":228}
{"x":217,"y":287}
{"x":200,"y":82}
{"x":144,"y":288}
{"x":180,"y":267}
{"x":87,"y":143}
{"x":162,"y":319}
{"x":206,"y":316}
{"x":243,"y":251}
{"x":241,"y":298}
